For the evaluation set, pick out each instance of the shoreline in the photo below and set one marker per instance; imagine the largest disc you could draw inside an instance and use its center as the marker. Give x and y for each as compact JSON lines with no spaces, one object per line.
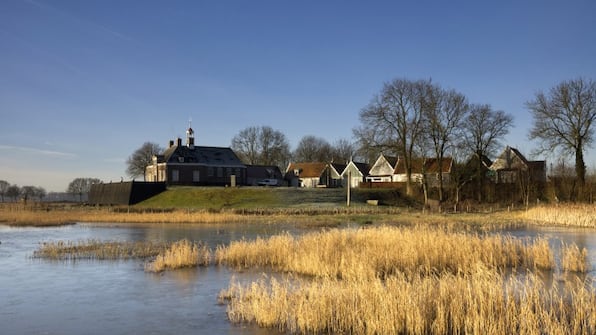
{"x":329,"y":216}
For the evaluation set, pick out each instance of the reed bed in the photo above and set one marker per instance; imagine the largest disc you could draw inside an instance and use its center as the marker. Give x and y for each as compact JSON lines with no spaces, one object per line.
{"x":165,"y":255}
{"x":574,"y":259}
{"x":18,"y":215}
{"x":100,"y":250}
{"x":565,"y":215}
{"x":408,"y":280}
{"x":383,"y":251}
{"x":70,"y":216}
{"x":179,"y":255}
{"x":478,"y":302}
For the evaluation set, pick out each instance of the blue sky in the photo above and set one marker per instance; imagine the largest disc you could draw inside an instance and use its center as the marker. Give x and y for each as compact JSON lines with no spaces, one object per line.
{"x":84,"y":83}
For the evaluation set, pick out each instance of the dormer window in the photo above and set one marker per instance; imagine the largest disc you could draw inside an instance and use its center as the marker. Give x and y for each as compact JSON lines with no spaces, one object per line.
{"x":180,"y":159}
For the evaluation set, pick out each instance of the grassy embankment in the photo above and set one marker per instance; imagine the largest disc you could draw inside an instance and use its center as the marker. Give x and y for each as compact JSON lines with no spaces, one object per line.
{"x":408,"y":281}
{"x":215,"y":205}
{"x":247,"y":204}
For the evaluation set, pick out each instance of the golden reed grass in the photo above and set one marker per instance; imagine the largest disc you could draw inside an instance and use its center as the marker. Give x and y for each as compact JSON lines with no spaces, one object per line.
{"x":565,"y":215}
{"x":22,"y":217}
{"x":417,"y":280}
{"x":95,"y":249}
{"x":15,"y":216}
{"x":39,"y":215}
{"x":179,"y":255}
{"x":478,"y":302}
{"x":174,"y":255}
{"x":383,"y":251}
{"x":574,"y":259}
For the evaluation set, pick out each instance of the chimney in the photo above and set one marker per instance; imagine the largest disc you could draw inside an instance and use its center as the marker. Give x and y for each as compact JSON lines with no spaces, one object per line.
{"x":171,"y":144}
{"x":179,"y":142}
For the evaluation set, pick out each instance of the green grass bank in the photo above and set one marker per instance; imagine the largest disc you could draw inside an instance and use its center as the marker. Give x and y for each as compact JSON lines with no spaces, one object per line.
{"x":217,"y":198}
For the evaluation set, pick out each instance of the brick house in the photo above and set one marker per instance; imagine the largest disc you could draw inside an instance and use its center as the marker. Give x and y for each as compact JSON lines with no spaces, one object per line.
{"x":511,"y":165}
{"x":189,"y":164}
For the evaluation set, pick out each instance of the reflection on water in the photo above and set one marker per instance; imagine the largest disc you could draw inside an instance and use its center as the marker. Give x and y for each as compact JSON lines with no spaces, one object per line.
{"x":118,"y":297}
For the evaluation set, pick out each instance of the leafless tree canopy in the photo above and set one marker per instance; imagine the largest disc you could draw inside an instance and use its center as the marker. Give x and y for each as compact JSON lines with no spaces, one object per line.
{"x":313,"y":149}
{"x":563,"y":120}
{"x":484,"y":128}
{"x":141,"y":158}
{"x":443,"y":120}
{"x":4,"y":185}
{"x":262,"y":146}
{"x":80,"y":186}
{"x":342,"y":151}
{"x":393,"y":119}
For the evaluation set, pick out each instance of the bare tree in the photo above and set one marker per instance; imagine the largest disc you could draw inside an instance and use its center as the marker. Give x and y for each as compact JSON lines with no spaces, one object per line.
{"x":367,"y":148}
{"x":313,"y":149}
{"x":40,"y":193}
{"x":27,"y":192}
{"x":444,"y":124}
{"x":394,"y":119}
{"x":80,"y":186}
{"x":274,"y":146}
{"x":4,"y":185}
{"x":342,"y":151}
{"x":13,"y":192}
{"x":141,"y":158}
{"x":483,"y":129}
{"x":246,"y":145}
{"x":262,"y":146}
{"x":563,"y":120}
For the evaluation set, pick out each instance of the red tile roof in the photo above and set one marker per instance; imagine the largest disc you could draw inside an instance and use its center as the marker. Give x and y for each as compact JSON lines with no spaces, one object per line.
{"x":307,"y":170}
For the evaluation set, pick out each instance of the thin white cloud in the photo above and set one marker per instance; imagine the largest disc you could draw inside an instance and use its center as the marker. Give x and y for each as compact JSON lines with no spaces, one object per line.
{"x":36,"y":151}
{"x":80,"y":20}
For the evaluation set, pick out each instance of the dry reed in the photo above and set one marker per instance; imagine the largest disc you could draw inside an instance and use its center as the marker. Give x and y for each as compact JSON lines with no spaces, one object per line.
{"x":180,"y":254}
{"x":416,"y":280}
{"x":23,"y":217}
{"x":17,"y":215}
{"x":566,"y":215}
{"x":478,"y":302}
{"x":95,"y":249}
{"x":574,"y":259}
{"x":380,"y":252}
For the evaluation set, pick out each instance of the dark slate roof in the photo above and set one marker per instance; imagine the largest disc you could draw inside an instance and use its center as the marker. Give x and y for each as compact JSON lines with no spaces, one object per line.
{"x":216,"y":156}
{"x":339,"y":168}
{"x":263,"y":171}
{"x":362,"y":167}
{"x":391,"y":160}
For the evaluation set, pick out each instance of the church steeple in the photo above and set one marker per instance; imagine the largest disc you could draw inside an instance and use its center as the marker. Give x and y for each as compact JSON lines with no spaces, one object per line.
{"x":190,"y":136}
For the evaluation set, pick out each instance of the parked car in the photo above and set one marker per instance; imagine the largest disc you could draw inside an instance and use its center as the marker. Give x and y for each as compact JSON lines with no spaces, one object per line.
{"x":268,"y":182}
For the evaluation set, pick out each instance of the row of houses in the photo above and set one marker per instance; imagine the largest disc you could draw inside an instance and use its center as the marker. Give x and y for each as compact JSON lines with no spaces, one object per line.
{"x":188,"y":164}
{"x":507,"y":168}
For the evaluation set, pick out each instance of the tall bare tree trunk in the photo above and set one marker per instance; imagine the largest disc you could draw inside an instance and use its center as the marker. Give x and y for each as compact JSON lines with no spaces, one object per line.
{"x":580,"y":170}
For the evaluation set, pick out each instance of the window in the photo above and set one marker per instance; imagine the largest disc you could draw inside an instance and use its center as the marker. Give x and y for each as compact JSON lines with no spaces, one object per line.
{"x":210,"y":172}
{"x":175,"y":175}
{"x":219,"y":172}
{"x":228,"y":171}
{"x":196,"y":176}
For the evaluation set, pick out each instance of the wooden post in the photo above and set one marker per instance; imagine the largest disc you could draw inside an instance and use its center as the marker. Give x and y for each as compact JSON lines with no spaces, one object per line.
{"x":349,"y":187}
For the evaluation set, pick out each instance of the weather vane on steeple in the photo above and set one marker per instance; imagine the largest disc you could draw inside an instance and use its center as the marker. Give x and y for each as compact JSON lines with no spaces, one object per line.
{"x":190,"y":135}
